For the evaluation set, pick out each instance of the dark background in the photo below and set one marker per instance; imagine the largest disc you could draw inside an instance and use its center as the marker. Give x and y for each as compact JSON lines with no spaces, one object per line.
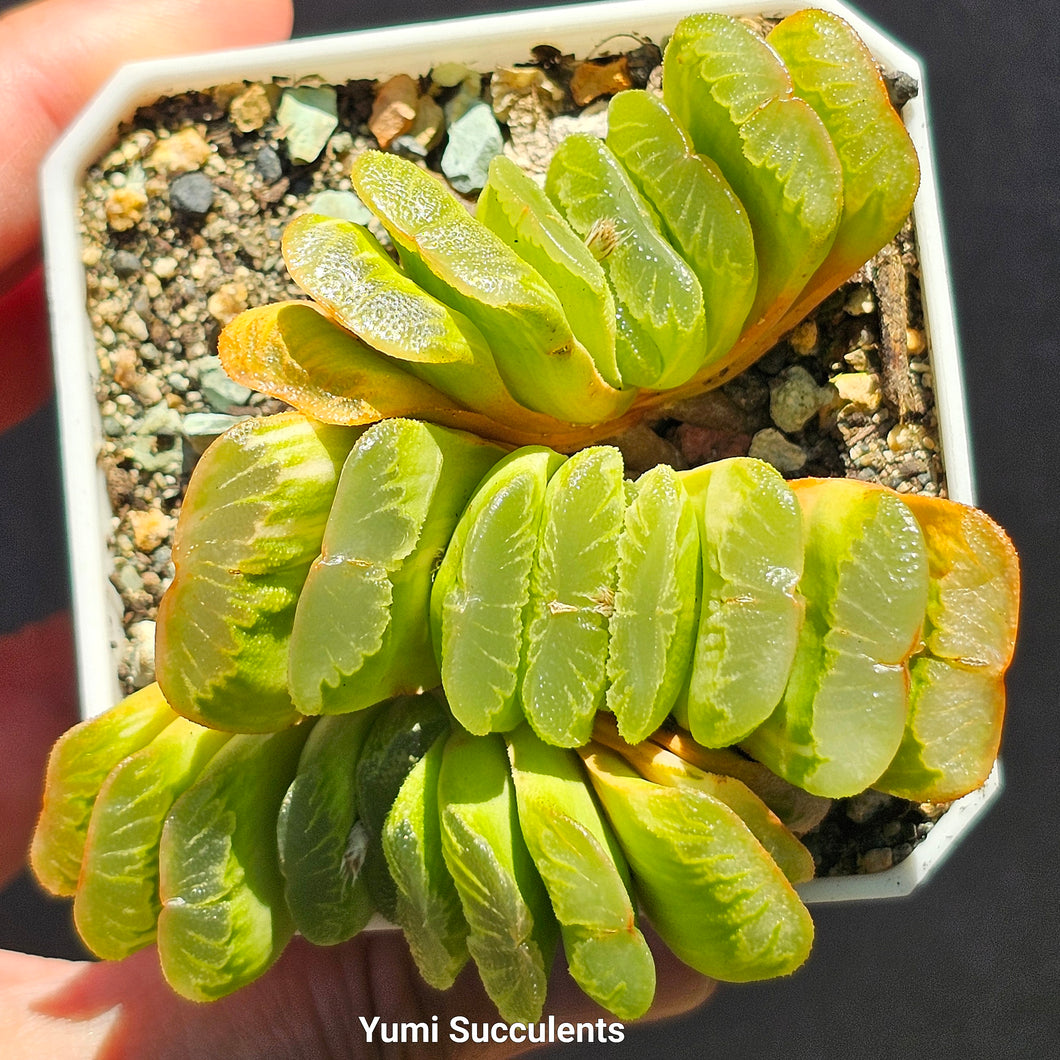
{"x":968,"y":967}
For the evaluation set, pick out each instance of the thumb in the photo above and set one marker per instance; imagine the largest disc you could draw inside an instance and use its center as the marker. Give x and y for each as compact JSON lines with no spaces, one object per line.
{"x":315,"y":1002}
{"x":54,"y":54}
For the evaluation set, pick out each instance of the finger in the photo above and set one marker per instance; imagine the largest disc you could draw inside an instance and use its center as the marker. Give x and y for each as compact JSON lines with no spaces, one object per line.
{"x":38,"y":697}
{"x":25,"y":371}
{"x":37,"y":703}
{"x":54,"y":54}
{"x":310,"y":1004}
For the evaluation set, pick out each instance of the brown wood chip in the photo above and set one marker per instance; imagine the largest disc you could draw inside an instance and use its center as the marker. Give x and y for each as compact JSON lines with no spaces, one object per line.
{"x":889,"y":283}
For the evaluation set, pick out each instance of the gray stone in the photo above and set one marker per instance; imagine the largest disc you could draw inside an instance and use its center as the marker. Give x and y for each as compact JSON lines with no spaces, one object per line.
{"x":218,"y":391}
{"x":150,"y":354}
{"x":142,"y":300}
{"x":268,"y":164}
{"x":133,"y":325}
{"x":149,"y":455}
{"x":191,"y":193}
{"x":909,"y":437}
{"x":860,"y":302}
{"x":468,"y":95}
{"x":474,"y":140}
{"x":408,"y":147}
{"x":307,"y":117}
{"x":592,"y":120}
{"x":125,"y":263}
{"x":345,"y":205}
{"x":341,"y":143}
{"x":858,"y":359}
{"x":891,"y":830}
{"x":449,"y":75}
{"x":251,"y":108}
{"x":127,"y":578}
{"x":165,"y":267}
{"x":796,"y":398}
{"x":803,"y":338}
{"x":160,"y":419}
{"x":770,"y":445}
{"x":201,"y":428}
{"x":147,"y":389}
{"x":140,"y":653}
{"x":900,"y":851}
{"x":861,"y":389}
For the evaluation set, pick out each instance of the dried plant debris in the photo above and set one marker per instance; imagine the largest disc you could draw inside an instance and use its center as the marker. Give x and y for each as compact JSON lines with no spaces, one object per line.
{"x":182,"y":221}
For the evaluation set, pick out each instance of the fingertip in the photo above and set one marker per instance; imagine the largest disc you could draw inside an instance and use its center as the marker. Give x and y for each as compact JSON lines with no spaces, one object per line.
{"x":65,"y":49}
{"x":54,"y":54}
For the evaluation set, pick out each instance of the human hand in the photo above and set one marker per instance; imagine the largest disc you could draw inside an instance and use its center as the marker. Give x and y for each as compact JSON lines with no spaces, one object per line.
{"x":53,"y":55}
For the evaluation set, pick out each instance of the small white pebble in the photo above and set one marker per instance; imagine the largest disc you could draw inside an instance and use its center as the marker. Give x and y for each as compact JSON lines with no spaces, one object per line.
{"x":165,"y":267}
{"x":860,"y":302}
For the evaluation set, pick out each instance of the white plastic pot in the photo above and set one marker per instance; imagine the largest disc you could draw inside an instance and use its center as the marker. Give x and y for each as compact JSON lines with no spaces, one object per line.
{"x":482,"y":43}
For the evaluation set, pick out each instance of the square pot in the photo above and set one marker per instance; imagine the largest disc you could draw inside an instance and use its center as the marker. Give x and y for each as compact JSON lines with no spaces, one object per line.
{"x":481,"y":43}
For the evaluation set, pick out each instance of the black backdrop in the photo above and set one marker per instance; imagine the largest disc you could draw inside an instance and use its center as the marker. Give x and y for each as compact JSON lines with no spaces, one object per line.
{"x":968,"y":966}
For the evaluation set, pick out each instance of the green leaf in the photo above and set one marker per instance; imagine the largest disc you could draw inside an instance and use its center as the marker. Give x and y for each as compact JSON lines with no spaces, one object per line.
{"x":730,"y":91}
{"x":664,"y":767}
{"x":866,"y":582}
{"x":516,"y":209}
{"x":512,"y":929}
{"x":78,"y":764}
{"x":361,"y":630}
{"x":585,"y":875}
{"x":797,"y":809}
{"x":428,"y":907}
{"x":660,"y":338}
{"x":571,"y":595}
{"x":750,"y":528}
{"x":224,"y":920}
{"x":252,"y":523}
{"x":482,"y":591}
{"x":463,"y":264}
{"x":656,"y":604}
{"x":343,"y":268}
{"x":320,"y":845}
{"x":403,"y":733}
{"x":117,"y":905}
{"x":952,"y":733}
{"x":699,"y":213}
{"x":290,"y":350}
{"x":957,"y":690}
{"x":833,"y":70}
{"x":709,"y":888}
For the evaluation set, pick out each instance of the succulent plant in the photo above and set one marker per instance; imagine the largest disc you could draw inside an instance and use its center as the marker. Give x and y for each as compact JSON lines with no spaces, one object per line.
{"x":429,"y":652}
